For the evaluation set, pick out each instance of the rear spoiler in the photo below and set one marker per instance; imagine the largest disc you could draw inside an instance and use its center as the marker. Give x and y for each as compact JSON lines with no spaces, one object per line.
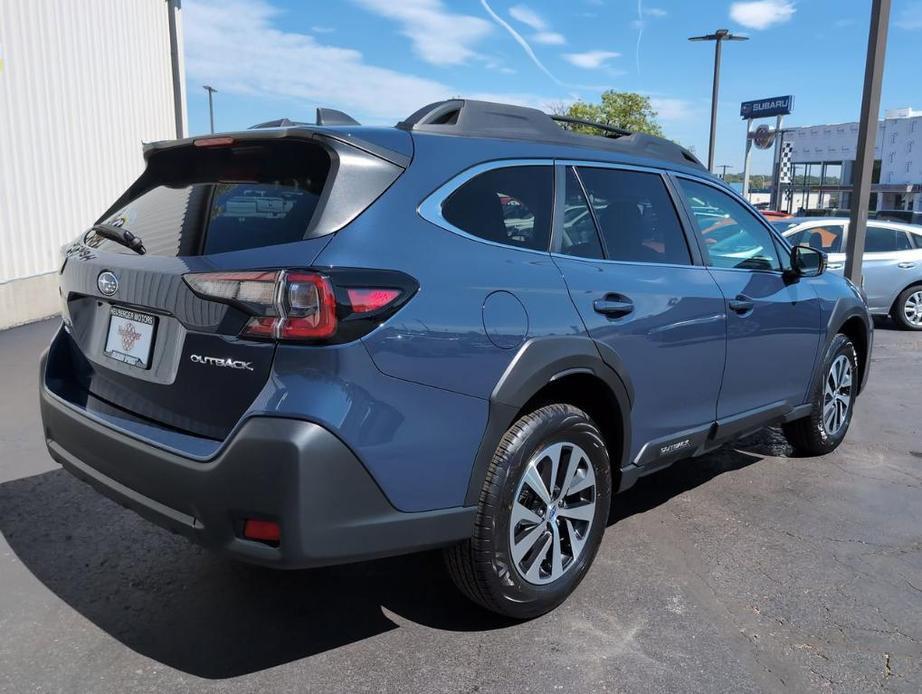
{"x":354,"y":137}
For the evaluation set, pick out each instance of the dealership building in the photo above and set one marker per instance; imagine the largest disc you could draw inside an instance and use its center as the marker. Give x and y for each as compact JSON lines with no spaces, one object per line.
{"x":822,"y":159}
{"x":82,"y":86}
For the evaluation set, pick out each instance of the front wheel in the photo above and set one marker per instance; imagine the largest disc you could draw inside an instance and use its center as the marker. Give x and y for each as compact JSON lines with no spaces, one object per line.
{"x":907,"y":309}
{"x":833,"y":400}
{"x":541,"y":515}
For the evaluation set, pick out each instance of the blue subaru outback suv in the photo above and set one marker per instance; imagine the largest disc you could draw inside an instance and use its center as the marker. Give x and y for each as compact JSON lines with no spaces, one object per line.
{"x":317,"y":344}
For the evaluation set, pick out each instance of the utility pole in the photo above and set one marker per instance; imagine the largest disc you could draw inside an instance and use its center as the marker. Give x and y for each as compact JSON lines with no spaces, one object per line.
{"x":867,"y":135}
{"x":210,"y":90}
{"x":718,"y":37}
{"x":724,"y":167}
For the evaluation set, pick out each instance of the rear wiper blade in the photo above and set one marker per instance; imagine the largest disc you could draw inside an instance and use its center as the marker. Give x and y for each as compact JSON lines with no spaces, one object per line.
{"x":120,"y":235}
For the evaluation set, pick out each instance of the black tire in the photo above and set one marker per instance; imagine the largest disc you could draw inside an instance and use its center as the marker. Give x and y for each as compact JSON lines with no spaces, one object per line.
{"x":809,"y":436}
{"x":898,"y":313}
{"x":483,"y":567}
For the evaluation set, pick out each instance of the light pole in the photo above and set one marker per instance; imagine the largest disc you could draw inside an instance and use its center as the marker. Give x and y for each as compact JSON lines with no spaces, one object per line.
{"x":210,"y":90}
{"x":867,"y":134}
{"x":718,"y":37}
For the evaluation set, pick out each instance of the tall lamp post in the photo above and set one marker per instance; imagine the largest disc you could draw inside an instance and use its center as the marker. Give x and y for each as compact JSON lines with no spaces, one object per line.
{"x":718,"y":37}
{"x":210,"y":90}
{"x":867,"y":134}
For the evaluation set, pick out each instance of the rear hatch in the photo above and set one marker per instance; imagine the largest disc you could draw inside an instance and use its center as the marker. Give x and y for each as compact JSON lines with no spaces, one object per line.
{"x":139,"y":340}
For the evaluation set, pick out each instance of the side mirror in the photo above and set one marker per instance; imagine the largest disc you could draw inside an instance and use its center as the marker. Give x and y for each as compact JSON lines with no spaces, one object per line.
{"x":807,"y":261}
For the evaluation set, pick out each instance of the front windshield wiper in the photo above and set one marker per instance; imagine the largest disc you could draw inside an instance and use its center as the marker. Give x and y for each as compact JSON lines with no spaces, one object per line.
{"x":120,"y":235}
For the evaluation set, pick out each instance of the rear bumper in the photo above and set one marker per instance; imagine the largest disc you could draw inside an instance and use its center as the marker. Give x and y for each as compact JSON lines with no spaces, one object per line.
{"x":298,"y":473}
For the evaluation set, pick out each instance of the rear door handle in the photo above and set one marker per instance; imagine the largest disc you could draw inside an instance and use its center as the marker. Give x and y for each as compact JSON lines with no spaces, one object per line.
{"x":742,"y":304}
{"x":906,"y":265}
{"x":613,"y":306}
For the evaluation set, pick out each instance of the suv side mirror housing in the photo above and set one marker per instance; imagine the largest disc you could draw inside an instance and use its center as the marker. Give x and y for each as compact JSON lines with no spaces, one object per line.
{"x":807,"y":261}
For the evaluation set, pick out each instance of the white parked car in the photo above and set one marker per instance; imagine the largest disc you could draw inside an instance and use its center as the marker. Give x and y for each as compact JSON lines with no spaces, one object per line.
{"x":892,"y":267}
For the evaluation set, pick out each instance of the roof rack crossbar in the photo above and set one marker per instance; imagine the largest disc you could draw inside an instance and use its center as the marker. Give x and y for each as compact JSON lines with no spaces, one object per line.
{"x":609,"y":130}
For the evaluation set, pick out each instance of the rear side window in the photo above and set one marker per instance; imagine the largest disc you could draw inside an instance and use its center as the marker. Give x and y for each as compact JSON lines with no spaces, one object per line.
{"x":578,"y":235}
{"x":636,"y":217}
{"x":880,"y":239}
{"x":202,"y":201}
{"x":511,"y":206}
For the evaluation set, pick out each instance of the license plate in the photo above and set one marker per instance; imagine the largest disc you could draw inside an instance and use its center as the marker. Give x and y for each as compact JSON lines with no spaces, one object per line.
{"x":130,"y":337}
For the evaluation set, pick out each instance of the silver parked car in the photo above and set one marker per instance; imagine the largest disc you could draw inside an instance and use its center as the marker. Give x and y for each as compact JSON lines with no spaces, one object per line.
{"x":892,"y":267}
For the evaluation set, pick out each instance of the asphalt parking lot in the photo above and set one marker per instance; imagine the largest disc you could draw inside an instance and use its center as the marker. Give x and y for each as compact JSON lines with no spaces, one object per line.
{"x":742,"y":571}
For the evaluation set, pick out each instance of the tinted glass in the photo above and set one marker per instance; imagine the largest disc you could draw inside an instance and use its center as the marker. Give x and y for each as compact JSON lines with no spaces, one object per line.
{"x":511,"y":206}
{"x":883,"y":240}
{"x":243,"y":215}
{"x":783,"y":225}
{"x":636,"y":216}
{"x":825,"y":238}
{"x":578,"y":237}
{"x":733,"y":236}
{"x":212,"y":200}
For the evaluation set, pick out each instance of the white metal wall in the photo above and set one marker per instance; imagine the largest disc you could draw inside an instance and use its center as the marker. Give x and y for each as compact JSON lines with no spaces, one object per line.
{"x":82,"y":84}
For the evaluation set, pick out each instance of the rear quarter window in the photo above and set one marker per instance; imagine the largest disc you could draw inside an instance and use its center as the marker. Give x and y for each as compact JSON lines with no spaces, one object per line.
{"x":509,"y":205}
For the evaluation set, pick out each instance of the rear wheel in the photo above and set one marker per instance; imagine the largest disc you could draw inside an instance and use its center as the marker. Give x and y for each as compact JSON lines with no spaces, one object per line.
{"x":833,"y":399}
{"x":541,"y":515}
{"x":907,"y":309}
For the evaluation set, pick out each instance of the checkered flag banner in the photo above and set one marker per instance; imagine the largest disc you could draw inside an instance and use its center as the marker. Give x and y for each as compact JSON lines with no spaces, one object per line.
{"x":786,"y":167}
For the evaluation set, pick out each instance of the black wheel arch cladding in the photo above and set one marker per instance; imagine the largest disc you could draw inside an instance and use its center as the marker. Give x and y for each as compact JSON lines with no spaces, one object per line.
{"x":538,"y":364}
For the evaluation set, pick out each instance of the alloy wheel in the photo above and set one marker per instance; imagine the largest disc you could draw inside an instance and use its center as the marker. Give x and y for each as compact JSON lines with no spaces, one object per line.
{"x":912,"y":309}
{"x":837,"y":394}
{"x":552,"y":512}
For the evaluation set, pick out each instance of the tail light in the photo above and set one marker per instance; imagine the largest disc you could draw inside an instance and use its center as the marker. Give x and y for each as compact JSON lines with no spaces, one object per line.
{"x":306,"y":305}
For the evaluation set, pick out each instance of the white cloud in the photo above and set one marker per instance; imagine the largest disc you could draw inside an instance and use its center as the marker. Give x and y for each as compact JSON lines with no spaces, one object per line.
{"x":322,"y":30}
{"x":590,"y":60}
{"x":762,"y":14}
{"x":549,"y":38}
{"x":519,"y":39}
{"x":910,"y":17}
{"x":528,"y":16}
{"x":438,"y":36}
{"x":655,"y":12}
{"x":668,"y":109}
{"x":234,"y":45}
{"x":543,"y":31}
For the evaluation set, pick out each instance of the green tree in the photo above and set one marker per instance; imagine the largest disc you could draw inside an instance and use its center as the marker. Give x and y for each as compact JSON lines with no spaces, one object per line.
{"x":627,"y":110}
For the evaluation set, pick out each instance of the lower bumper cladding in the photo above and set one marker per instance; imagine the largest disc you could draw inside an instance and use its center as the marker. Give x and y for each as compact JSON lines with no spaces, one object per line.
{"x":292,"y":476}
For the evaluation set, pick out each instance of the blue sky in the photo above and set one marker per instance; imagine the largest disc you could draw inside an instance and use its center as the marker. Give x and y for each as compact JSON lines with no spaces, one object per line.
{"x":381,"y":59}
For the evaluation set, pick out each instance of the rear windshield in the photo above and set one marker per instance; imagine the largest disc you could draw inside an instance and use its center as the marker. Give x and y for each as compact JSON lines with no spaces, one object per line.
{"x":201,"y":201}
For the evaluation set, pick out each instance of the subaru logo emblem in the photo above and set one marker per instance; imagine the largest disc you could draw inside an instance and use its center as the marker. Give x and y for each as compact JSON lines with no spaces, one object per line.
{"x":107,"y":283}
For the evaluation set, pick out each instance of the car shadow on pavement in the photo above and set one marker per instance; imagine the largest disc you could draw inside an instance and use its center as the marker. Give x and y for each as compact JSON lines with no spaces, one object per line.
{"x":180,"y":605}
{"x":659,"y":487}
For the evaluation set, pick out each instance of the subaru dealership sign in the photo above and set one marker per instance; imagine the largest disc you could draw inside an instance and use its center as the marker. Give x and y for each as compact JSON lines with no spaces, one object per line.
{"x":764,"y":108}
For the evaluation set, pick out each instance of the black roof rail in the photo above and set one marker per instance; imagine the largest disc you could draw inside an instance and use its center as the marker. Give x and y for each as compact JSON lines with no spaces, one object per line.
{"x":470,"y":118}
{"x":608,"y":130}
